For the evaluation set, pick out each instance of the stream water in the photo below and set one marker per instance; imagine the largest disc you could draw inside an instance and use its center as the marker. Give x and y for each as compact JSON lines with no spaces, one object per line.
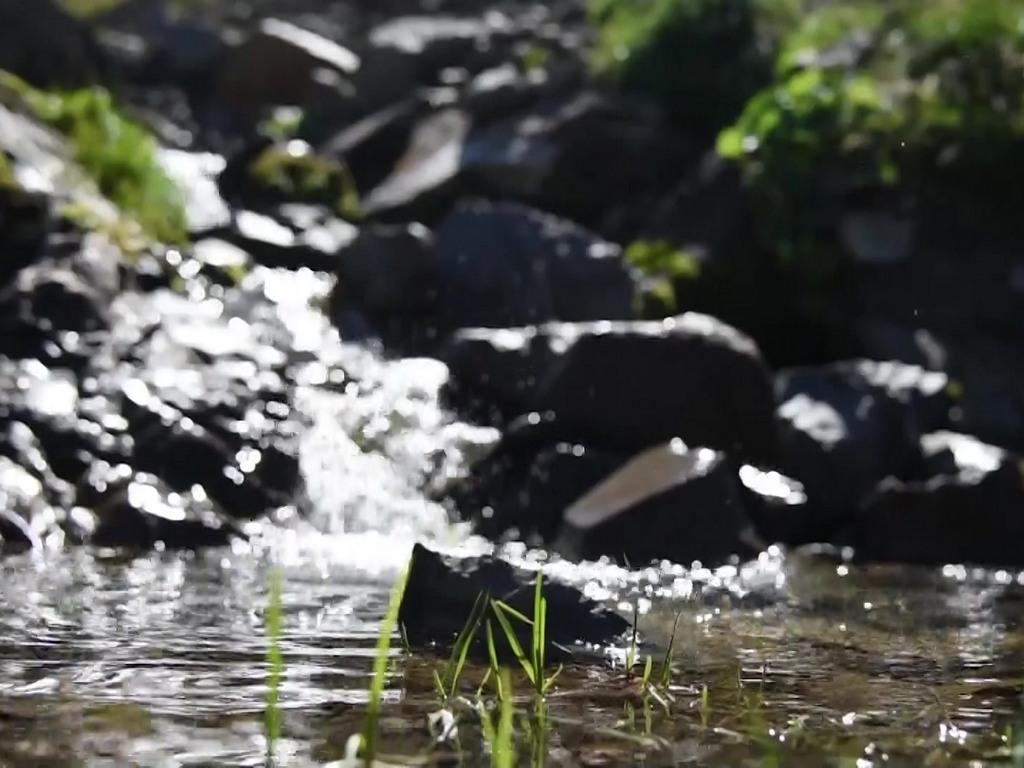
{"x":162,"y":660}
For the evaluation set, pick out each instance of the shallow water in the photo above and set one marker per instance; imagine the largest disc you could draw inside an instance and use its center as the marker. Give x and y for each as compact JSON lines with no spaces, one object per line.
{"x":162,"y":661}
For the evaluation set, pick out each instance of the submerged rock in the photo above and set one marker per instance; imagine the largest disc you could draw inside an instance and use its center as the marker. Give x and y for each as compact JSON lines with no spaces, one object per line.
{"x":21,"y":501}
{"x":139,"y":511}
{"x":440,"y":593}
{"x":970,"y":517}
{"x":669,"y":502}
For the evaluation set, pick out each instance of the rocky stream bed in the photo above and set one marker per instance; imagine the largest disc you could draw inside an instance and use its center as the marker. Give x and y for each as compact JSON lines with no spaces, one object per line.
{"x":398,"y":294}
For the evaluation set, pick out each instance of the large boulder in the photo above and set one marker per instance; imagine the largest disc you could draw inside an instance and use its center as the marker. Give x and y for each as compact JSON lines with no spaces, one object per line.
{"x":278,"y":64}
{"x":543,"y":157}
{"x":669,"y":502}
{"x":487,"y":264}
{"x":505,"y":265}
{"x":624,"y":385}
{"x":440,"y":593}
{"x":846,"y":426}
{"x":25,"y":223}
{"x":558,"y":156}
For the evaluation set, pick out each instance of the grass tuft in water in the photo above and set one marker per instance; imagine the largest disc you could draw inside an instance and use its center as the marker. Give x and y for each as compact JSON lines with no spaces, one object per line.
{"x":447,"y":681}
{"x":534,"y":663}
{"x":274,"y":624}
{"x":499,"y":738}
{"x":380,"y":669}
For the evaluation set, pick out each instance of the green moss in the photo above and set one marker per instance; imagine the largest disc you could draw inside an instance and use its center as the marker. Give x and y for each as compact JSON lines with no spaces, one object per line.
{"x":119,"y":154}
{"x":293,"y":172}
{"x":7,"y":179}
{"x":926,"y":105}
{"x":663,"y":265}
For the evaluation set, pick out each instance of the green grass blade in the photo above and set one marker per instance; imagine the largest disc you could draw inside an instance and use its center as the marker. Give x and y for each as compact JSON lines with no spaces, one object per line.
{"x":513,"y":641}
{"x":465,"y":639}
{"x":550,"y":682}
{"x":666,"y":664}
{"x":503,"y":750}
{"x":539,"y":614}
{"x":508,"y":609}
{"x":380,"y":667}
{"x":648,"y":666}
{"x":492,"y":654}
{"x":274,"y":623}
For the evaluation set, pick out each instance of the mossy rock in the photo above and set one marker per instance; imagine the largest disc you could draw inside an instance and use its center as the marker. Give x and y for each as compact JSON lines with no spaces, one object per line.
{"x":292,"y":172}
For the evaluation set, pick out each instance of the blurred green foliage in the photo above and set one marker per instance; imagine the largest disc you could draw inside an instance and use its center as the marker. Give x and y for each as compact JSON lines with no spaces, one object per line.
{"x":292,"y":171}
{"x":7,"y":179}
{"x":699,"y":59}
{"x":119,"y":154}
{"x":911,"y":101}
{"x":662,"y":265}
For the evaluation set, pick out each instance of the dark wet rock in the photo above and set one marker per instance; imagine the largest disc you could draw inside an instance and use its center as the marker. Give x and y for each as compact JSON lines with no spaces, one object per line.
{"x":45,"y":403}
{"x":558,"y":156}
{"x":440,"y":593}
{"x":779,"y":508}
{"x":50,"y":298}
{"x":625,"y":385}
{"x":372,"y":146}
{"x":141,"y":512}
{"x":523,"y":493}
{"x":846,"y":426}
{"x":985,"y":371}
{"x":274,"y":244}
{"x":45,"y":45}
{"x":15,"y":532}
{"x":25,"y":222}
{"x":185,"y":454}
{"x":22,"y":448}
{"x":389,"y":269}
{"x":950,"y":453}
{"x":669,"y":502}
{"x":152,"y":44}
{"x":709,"y":215}
{"x":970,"y":517}
{"x":545,"y":157}
{"x":268,"y":174}
{"x":427,"y":177}
{"x":488,"y":265}
{"x":430,"y":43}
{"x":497,"y":91}
{"x":388,"y":286}
{"x":277,"y":65}
{"x":507,"y":265}
{"x":21,"y":501}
